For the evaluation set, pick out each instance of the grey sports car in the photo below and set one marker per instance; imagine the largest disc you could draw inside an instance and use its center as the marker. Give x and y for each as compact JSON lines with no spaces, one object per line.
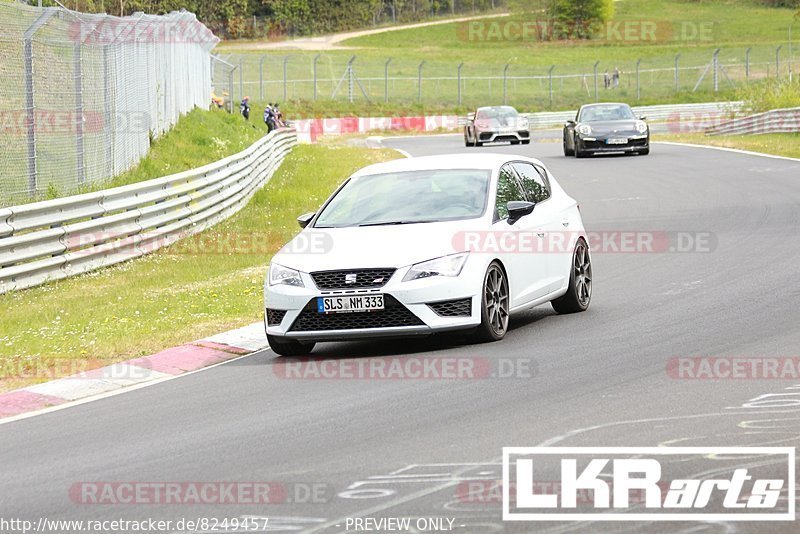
{"x":496,"y":124}
{"x":606,"y":127}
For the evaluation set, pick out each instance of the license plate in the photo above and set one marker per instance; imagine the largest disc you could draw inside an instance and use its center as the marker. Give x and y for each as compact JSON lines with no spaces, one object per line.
{"x":617,"y":141}
{"x":350,"y":304}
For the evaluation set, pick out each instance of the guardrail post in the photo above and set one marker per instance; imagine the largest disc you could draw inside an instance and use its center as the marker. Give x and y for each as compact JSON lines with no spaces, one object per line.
{"x":419,"y":81}
{"x":638,"y":80}
{"x":285,"y":89}
{"x":505,"y":83}
{"x":386,"y":80}
{"x":677,"y":74}
{"x":460,"y":66}
{"x":261,"y":78}
{"x":747,"y":63}
{"x":778,"y":61}
{"x":316,"y":58}
{"x":596,"y":93}
{"x":550,"y":78}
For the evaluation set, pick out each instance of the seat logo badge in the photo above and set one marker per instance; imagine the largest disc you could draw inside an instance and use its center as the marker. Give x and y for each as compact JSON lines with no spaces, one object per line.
{"x":378,"y":280}
{"x":350,"y":278}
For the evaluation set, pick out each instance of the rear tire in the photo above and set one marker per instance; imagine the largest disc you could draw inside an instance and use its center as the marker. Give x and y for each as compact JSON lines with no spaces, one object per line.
{"x":579,"y":293}
{"x":495,"y":305}
{"x":289,"y":347}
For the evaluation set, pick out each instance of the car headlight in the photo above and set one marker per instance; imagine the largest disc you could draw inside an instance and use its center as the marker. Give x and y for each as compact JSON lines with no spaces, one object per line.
{"x":445,"y":266}
{"x":585,"y":129}
{"x":522,"y":123}
{"x":278,"y":274}
{"x":641,"y":126}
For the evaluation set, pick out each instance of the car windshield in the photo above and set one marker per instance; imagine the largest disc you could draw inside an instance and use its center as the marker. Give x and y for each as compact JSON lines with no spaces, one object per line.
{"x":408,"y":197}
{"x":612,"y":112}
{"x":503,"y":113}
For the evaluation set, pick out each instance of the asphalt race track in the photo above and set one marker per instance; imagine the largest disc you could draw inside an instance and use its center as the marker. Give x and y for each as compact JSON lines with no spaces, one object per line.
{"x":404,"y":448}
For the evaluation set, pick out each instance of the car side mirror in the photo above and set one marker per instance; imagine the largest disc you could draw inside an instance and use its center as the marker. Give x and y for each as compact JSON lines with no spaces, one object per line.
{"x":305,"y":218}
{"x":642,"y":118}
{"x":471,"y":116}
{"x":569,"y":123}
{"x":518,"y":209}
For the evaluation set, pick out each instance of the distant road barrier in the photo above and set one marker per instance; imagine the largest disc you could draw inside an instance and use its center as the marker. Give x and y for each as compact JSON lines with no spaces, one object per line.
{"x":64,"y":237}
{"x":685,"y":117}
{"x":774,"y":121}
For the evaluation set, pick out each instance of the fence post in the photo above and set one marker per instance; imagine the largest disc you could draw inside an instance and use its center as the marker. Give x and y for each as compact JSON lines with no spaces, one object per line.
{"x":316,"y":58}
{"x":550,"y":77}
{"x":715,"y":66}
{"x":638,"y":84}
{"x":596,"y":93}
{"x":677,"y":74}
{"x":460,"y":66}
{"x":747,"y":63}
{"x":386,"y":80}
{"x":241,"y":81}
{"x":78,"y":80}
{"x":419,"y":81}
{"x":791,"y":56}
{"x":505,"y":83}
{"x":285,"y":89}
{"x":230,"y":88}
{"x":30,"y":102}
{"x":778,"y":61}
{"x":261,"y":78}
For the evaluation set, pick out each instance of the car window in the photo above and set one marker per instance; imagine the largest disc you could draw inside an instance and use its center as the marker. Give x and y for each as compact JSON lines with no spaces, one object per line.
{"x":408,"y":197}
{"x":500,"y":113}
{"x":534,"y":181}
{"x":508,"y":189}
{"x":606,"y":112}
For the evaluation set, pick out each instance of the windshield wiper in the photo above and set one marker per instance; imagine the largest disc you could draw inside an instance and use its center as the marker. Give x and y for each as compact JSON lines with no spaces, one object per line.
{"x":392,"y":223}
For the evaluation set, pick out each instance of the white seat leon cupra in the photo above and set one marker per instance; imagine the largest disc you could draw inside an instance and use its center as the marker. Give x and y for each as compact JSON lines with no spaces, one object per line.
{"x":422,"y":245}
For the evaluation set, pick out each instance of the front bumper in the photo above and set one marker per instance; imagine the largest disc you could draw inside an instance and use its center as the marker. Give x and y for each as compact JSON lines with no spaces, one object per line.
{"x":291,"y":311}
{"x":600,"y":143}
{"x":503,"y":135}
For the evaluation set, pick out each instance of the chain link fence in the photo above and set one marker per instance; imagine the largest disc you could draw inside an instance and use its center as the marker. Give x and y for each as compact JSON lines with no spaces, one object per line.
{"x":355,"y":77}
{"x":82,"y":96}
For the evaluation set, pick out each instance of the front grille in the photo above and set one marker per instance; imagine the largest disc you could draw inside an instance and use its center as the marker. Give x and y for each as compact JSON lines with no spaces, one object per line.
{"x":452,"y":308}
{"x":275,"y":317}
{"x":365,"y":278}
{"x":393,"y":314}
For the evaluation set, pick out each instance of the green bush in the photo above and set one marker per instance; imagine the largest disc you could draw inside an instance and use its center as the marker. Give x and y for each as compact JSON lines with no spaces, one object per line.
{"x":770,"y":94}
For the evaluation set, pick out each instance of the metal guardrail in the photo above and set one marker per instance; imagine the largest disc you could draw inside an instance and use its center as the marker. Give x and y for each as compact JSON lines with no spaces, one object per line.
{"x":548,"y":119}
{"x":785,"y":120}
{"x":64,"y":237}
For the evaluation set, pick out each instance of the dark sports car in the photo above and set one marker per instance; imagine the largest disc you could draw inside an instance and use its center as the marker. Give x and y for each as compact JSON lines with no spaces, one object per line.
{"x":606,"y":128}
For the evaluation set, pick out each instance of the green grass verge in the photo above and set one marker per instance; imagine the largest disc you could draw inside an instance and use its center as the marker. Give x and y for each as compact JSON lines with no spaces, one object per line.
{"x":199,"y":137}
{"x":776,"y":144}
{"x":198,"y":287}
{"x":730,"y":25}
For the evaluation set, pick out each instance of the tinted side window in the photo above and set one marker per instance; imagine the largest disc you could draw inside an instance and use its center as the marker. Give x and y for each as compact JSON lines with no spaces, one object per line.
{"x":534,"y":181}
{"x":508,"y":190}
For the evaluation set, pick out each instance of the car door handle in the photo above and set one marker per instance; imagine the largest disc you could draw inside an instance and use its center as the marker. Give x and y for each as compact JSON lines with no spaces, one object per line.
{"x":565,"y":222}
{"x":540,"y":234}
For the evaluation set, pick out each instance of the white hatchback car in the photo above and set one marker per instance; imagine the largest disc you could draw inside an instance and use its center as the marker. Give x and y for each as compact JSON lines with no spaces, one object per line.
{"x":422,"y":245}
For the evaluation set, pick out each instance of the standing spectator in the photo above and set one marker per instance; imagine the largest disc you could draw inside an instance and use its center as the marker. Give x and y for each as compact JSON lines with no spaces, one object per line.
{"x":244,"y":107}
{"x":615,"y":77}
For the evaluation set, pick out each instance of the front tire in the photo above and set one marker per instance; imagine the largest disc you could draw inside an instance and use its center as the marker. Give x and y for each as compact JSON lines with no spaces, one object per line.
{"x":289,"y":347}
{"x":567,"y":151}
{"x":579,"y":153}
{"x":579,"y":293}
{"x":495,"y":305}
{"x":645,"y":152}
